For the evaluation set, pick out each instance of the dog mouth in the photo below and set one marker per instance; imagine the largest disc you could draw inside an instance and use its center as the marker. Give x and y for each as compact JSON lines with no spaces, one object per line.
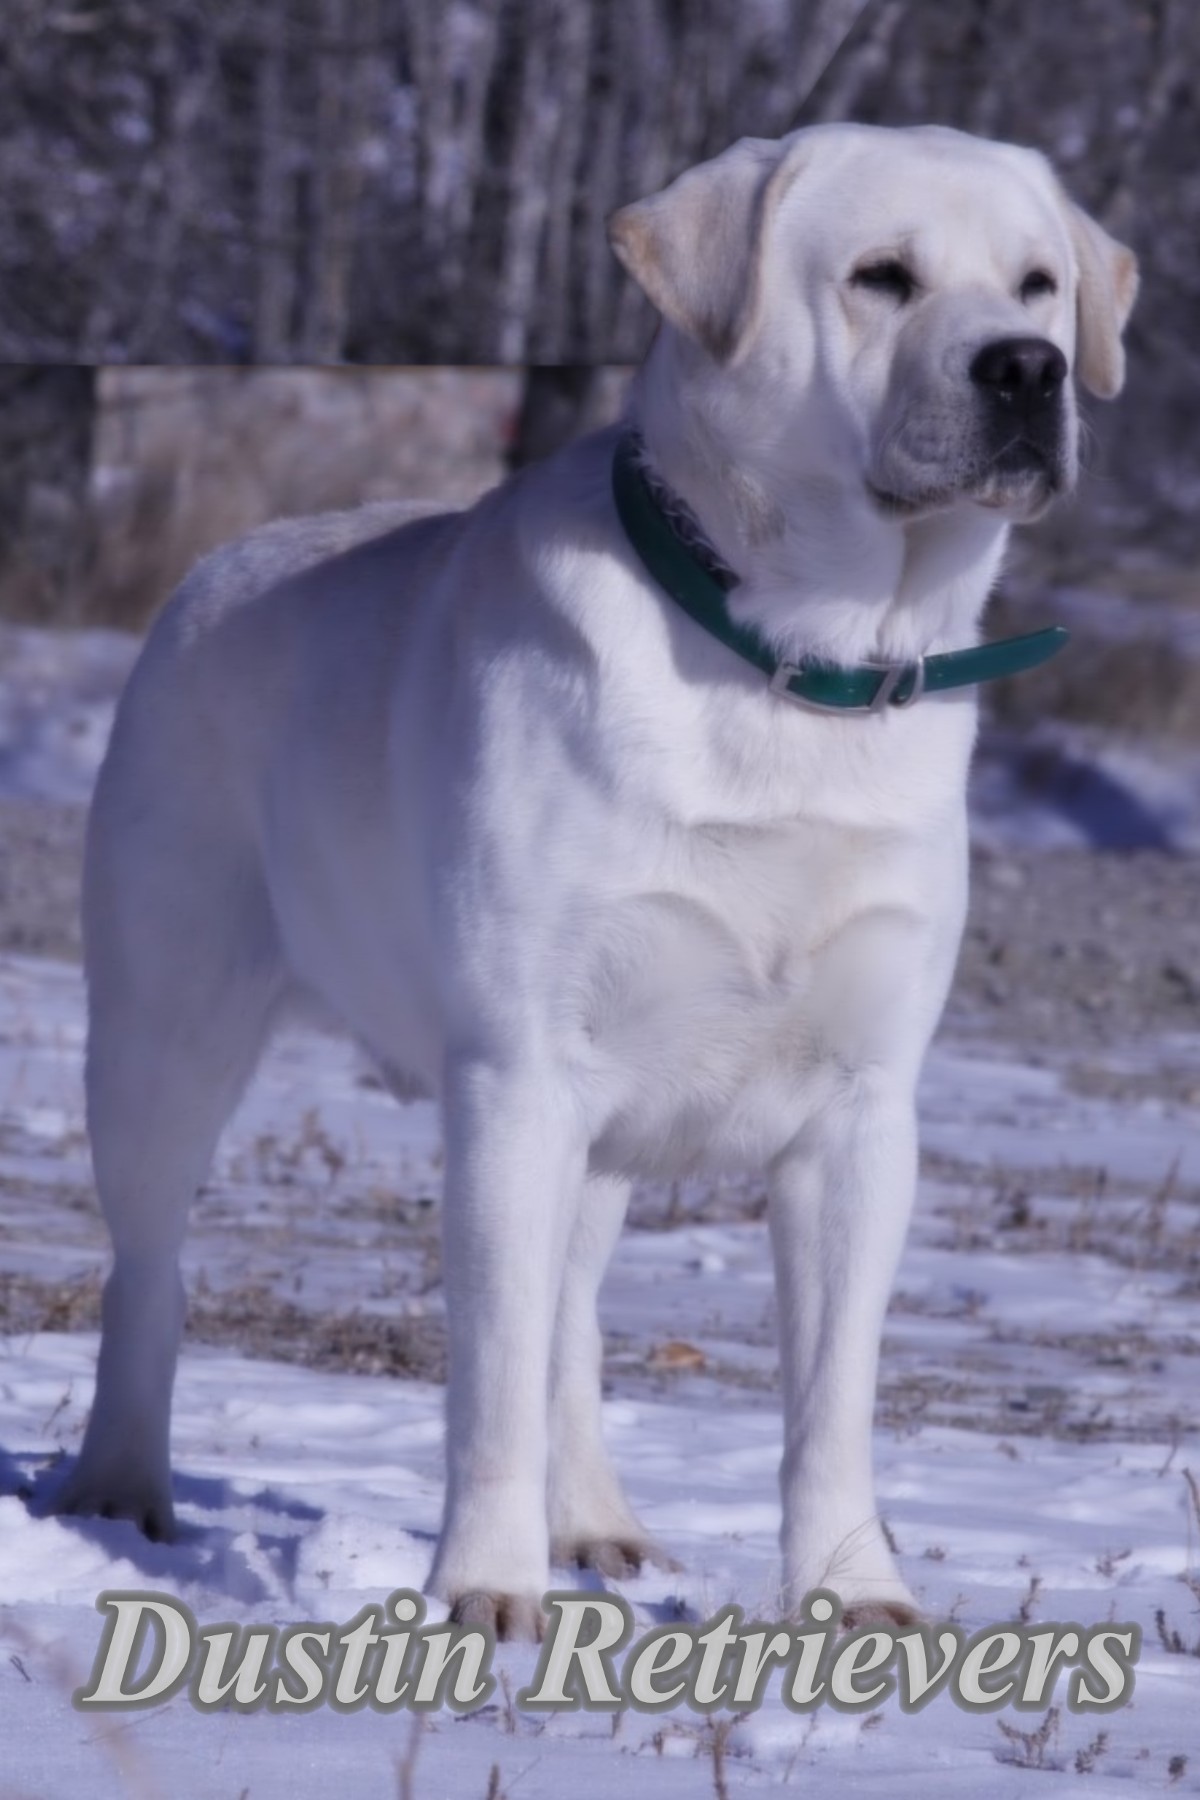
{"x":898,"y":506}
{"x":1023,"y":477}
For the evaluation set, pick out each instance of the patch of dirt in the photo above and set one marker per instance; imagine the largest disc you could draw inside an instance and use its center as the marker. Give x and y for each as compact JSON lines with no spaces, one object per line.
{"x":1072,"y":948}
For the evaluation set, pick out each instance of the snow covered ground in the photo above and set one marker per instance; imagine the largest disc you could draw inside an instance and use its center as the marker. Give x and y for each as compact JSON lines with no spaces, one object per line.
{"x":1039,"y":1406}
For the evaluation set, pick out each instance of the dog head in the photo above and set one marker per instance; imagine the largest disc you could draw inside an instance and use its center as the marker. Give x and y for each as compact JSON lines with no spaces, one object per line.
{"x":905,"y":308}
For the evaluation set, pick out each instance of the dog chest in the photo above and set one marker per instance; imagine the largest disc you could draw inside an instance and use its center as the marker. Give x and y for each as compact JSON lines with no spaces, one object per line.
{"x":718,"y":1009}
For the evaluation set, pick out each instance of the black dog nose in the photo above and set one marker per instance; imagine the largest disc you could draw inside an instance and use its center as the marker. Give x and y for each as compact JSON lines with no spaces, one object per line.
{"x":1020,"y":371}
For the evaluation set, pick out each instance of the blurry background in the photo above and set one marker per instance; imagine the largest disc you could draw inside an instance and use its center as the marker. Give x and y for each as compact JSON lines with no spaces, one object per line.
{"x":196,"y":200}
{"x":401,"y":181}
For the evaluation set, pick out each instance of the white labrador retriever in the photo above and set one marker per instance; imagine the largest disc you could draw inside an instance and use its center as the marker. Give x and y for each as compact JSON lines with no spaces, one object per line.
{"x":635,"y":832}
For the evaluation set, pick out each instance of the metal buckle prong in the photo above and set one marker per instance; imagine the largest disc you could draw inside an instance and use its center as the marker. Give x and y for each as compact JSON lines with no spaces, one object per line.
{"x":779,"y":680}
{"x":918,"y":684}
{"x":894,"y":674}
{"x":891,"y":681}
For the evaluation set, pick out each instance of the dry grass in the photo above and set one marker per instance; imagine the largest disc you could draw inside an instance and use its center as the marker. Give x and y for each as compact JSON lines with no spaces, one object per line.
{"x":1028,"y":1749}
{"x":253,"y":1320}
{"x":1074,"y":1209}
{"x":187,"y":459}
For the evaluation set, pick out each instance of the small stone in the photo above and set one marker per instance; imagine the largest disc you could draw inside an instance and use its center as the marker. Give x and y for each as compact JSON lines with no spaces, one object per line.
{"x":1003,"y":874}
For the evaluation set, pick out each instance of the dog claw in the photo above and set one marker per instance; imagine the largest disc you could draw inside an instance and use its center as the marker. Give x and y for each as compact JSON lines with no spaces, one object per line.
{"x":617,"y":1559}
{"x":513,"y":1618}
{"x":155,"y":1521}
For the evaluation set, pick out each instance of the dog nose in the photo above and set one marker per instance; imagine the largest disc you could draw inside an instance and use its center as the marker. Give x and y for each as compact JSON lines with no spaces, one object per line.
{"x":1024,"y":372}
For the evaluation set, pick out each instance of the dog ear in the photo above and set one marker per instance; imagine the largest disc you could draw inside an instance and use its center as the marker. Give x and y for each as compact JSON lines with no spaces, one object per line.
{"x":696,"y":248}
{"x":1108,"y":284}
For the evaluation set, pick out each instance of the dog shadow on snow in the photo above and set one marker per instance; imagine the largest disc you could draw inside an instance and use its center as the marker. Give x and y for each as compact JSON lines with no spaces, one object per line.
{"x":235,"y":1552}
{"x":238,"y":1558}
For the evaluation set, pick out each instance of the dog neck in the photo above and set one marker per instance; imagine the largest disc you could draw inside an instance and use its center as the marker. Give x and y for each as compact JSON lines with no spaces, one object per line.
{"x":821,"y":572}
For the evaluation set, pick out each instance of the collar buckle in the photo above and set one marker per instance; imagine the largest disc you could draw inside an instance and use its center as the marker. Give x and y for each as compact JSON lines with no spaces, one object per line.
{"x":892,"y":674}
{"x":891,"y":681}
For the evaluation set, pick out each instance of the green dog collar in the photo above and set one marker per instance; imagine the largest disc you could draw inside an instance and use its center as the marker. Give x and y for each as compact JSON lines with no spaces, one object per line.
{"x":700,"y":586}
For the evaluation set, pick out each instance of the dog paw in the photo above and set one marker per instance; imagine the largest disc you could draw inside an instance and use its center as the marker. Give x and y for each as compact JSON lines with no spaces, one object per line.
{"x":616,"y":1558}
{"x":150,"y":1510}
{"x":512,"y":1618}
{"x":890,"y":1614}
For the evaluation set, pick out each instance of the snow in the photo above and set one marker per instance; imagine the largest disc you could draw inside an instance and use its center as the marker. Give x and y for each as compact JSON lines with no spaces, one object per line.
{"x":1038,"y":1408}
{"x":58,"y":692}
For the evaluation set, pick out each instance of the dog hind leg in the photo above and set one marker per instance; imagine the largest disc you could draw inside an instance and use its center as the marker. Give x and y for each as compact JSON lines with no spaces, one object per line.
{"x":184,"y":977}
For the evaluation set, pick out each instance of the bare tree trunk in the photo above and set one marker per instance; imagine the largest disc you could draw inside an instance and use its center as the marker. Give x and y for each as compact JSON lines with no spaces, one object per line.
{"x":176,"y":203}
{"x":598,"y":296}
{"x":342,"y":107}
{"x":859,"y":61}
{"x":827,"y":28}
{"x":539,"y":110}
{"x":47,"y":418}
{"x":454,"y":50}
{"x":555,"y":403}
{"x":552,"y":314}
{"x":275,"y":215}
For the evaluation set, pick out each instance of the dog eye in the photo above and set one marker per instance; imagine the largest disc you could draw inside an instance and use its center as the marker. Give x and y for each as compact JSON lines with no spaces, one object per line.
{"x":889,"y":277}
{"x":1036,"y":283}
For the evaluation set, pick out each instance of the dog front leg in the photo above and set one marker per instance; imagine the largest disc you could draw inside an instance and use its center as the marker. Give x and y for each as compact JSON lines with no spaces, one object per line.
{"x":592,"y":1524}
{"x":840,"y":1201}
{"x":515,"y":1159}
